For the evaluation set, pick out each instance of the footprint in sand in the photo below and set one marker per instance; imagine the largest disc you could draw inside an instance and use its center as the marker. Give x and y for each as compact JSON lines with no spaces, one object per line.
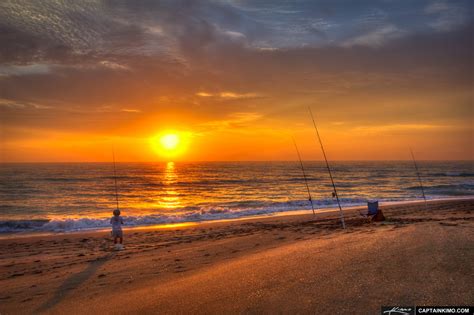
{"x":16,"y":275}
{"x":448,"y":224}
{"x":180,"y":269}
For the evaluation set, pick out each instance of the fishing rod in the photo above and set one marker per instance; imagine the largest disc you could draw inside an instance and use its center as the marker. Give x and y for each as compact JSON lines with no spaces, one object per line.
{"x":115,"y":179}
{"x":329,"y":170}
{"x":304,"y":175}
{"x":419,"y":177}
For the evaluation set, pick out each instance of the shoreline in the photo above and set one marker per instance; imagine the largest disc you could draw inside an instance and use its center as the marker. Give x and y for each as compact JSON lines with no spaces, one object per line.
{"x":171,"y":225}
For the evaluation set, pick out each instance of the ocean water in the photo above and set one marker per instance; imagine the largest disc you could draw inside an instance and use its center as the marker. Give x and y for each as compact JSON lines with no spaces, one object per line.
{"x":77,"y":196}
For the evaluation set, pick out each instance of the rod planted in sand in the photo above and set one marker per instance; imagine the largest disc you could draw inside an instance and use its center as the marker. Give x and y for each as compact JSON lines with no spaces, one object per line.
{"x":304,"y":176}
{"x":329,"y":170}
{"x":419,"y":177}
{"x":115,"y":179}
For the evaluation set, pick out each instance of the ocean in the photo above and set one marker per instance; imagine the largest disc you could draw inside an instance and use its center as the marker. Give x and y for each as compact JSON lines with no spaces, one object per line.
{"x":62,"y":197}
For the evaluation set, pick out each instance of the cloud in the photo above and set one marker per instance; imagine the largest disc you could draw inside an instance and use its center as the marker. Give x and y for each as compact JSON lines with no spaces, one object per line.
{"x":109,"y":109}
{"x":30,"y":69}
{"x":375,"y":38}
{"x":268,"y":48}
{"x":22,"y":105}
{"x":229,"y":95}
{"x":113,"y":65}
{"x":448,"y":16}
{"x":68,"y":32}
{"x":130,"y":110}
{"x":232,"y":95}
{"x":237,"y":120}
{"x":186,"y":34}
{"x":204,"y":94}
{"x":236,"y":36}
{"x":398,"y":128}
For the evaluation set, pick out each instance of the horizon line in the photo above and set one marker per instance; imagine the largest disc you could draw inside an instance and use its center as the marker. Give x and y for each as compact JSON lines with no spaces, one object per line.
{"x":229,"y":161}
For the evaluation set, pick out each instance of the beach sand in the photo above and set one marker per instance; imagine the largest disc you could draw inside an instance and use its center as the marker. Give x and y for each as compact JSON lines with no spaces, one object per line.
{"x":280,"y":264}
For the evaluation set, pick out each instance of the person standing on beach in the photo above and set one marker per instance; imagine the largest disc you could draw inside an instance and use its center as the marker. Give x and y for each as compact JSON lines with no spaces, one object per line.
{"x":117,"y":233}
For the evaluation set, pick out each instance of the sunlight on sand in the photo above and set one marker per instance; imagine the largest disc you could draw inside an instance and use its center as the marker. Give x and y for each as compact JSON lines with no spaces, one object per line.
{"x":166,"y":226}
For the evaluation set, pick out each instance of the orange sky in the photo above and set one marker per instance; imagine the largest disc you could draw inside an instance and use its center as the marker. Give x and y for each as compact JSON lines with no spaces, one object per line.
{"x":237,"y":80}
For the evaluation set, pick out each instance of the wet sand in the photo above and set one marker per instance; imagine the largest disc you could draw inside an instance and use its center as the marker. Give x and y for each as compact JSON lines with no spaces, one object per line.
{"x":285,"y":264}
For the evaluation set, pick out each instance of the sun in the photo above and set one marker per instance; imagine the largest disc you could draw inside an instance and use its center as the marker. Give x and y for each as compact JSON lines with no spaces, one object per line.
{"x":169,"y":141}
{"x":170,"y":144}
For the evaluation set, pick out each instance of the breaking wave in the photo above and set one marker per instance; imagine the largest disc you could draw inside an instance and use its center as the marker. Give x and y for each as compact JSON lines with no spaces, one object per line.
{"x":205,"y":213}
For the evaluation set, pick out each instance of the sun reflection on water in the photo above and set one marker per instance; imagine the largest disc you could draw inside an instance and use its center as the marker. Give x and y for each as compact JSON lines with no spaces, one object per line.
{"x":171,"y":198}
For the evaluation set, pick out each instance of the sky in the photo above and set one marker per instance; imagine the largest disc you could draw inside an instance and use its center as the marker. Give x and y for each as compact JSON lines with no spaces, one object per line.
{"x":235,"y":79}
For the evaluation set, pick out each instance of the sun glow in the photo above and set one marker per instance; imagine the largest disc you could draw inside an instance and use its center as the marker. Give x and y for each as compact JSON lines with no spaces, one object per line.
{"x":170,"y":144}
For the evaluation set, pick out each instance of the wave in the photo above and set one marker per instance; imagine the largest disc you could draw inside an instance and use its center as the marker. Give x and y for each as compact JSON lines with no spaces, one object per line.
{"x":216,"y":181}
{"x":65,"y":180}
{"x":467,"y":186}
{"x":118,"y":177}
{"x":203,"y":213}
{"x":453,"y":174}
{"x":463,"y":189}
{"x":302,"y":179}
{"x":22,"y":225}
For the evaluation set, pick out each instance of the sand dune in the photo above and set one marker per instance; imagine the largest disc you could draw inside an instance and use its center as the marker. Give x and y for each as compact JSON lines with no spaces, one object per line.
{"x":285,"y":264}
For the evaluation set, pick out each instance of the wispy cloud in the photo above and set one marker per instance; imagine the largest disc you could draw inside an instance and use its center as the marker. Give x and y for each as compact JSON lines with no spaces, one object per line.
{"x":130,"y":110}
{"x":114,"y":65}
{"x":111,"y":109}
{"x":204,"y":94}
{"x":30,"y":69}
{"x":398,"y":127}
{"x":376,"y":37}
{"x":13,"y":104}
{"x":238,"y":120}
{"x":448,"y":16}
{"x":229,"y":95}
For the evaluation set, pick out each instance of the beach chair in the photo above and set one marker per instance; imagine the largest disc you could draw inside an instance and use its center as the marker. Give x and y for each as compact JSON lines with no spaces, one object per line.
{"x":373,"y":212}
{"x":372,"y":209}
